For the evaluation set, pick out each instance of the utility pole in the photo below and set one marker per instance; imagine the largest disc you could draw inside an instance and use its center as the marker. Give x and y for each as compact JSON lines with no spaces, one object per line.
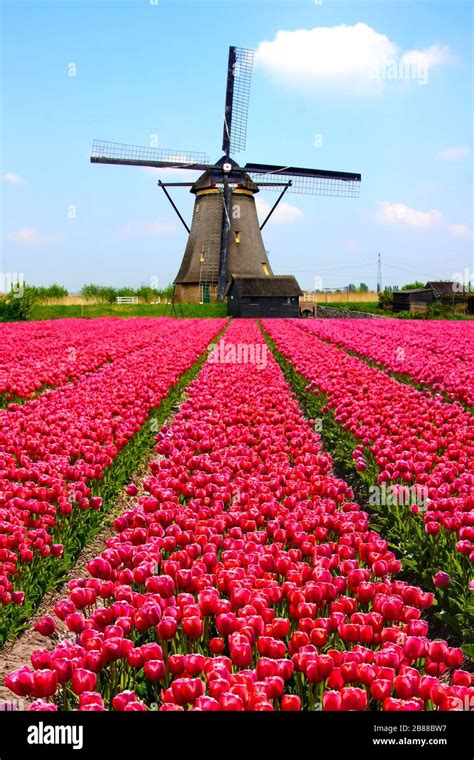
{"x":379,"y":273}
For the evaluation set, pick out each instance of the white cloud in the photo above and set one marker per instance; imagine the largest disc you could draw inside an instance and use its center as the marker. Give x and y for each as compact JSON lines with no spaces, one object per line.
{"x":26,"y":235}
{"x":13,"y":179}
{"x":30,"y":236}
{"x":459,"y":230}
{"x":355,"y":59}
{"x":403,"y":216}
{"x":147,"y":229}
{"x":436,"y":55}
{"x":283,"y":214}
{"x":452,"y":154}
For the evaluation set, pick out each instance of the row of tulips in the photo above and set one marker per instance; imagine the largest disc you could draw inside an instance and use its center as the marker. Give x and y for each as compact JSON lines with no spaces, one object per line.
{"x":55,"y":449}
{"x":38,"y":355}
{"x":433,"y":354}
{"x":414,"y":438}
{"x":402,"y":510}
{"x":242,"y":577}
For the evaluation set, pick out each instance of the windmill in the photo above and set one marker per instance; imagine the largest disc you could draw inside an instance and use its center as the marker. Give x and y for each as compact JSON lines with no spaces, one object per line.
{"x":225,"y":235}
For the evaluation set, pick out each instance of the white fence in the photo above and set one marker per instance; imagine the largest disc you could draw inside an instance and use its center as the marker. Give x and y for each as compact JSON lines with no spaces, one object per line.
{"x":127,"y":299}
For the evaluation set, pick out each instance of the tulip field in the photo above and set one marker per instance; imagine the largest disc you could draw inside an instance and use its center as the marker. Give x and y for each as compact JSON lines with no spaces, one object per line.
{"x":300,"y":537}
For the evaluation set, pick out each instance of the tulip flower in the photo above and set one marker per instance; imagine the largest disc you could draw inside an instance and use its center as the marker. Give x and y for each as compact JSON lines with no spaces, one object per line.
{"x":39,"y":705}
{"x":290,"y":702}
{"x":46,"y":625}
{"x":154,"y":670}
{"x":83,"y":680}
{"x":45,"y":682}
{"x":441,"y":579}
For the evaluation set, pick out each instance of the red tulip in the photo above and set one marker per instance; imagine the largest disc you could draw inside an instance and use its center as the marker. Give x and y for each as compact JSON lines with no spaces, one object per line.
{"x":353,"y":698}
{"x":193,"y":627}
{"x":154,"y":670}
{"x":380,"y":689}
{"x":20,"y":682}
{"x":46,"y":625}
{"x":83,"y":680}
{"x":290,"y":702}
{"x":332,"y":700}
{"x":121,"y":700}
{"x":441,"y":579}
{"x":45,"y":683}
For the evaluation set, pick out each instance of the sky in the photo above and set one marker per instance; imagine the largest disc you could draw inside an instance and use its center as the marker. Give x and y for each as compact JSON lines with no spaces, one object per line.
{"x":381,"y":88}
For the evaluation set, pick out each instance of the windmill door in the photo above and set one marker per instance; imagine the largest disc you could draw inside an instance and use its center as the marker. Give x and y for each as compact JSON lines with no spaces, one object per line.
{"x":206,"y":293}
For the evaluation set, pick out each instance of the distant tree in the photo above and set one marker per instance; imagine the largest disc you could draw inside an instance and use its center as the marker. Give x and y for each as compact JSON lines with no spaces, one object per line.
{"x":90,"y":291}
{"x":102,"y":293}
{"x":166,"y":292}
{"x":15,"y":307}
{"x":413,"y":285}
{"x":385,"y":300}
{"x":351,"y":287}
{"x":108,"y":294}
{"x":363,"y":287}
{"x":124,"y":291}
{"x":146,"y":293}
{"x":43,"y":292}
{"x":56,"y":291}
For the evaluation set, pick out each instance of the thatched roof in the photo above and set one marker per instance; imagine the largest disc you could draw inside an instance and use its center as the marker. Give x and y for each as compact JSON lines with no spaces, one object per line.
{"x":284,"y":285}
{"x":441,"y":288}
{"x":412,"y":290}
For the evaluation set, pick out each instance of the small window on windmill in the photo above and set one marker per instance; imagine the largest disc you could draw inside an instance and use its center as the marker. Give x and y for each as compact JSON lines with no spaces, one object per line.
{"x":198,"y":207}
{"x":265,"y":269}
{"x":237,"y":237}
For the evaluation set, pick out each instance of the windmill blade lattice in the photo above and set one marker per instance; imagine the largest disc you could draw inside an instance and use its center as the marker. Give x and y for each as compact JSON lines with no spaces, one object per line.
{"x":119,"y":153}
{"x":239,"y":77}
{"x":309,"y":185}
{"x":305,"y":181}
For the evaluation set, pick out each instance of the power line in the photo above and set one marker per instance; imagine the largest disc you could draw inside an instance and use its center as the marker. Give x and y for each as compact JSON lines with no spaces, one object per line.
{"x":334,"y":269}
{"x":411,"y":271}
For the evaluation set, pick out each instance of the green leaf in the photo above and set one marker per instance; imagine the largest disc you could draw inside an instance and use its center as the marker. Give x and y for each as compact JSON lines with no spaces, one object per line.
{"x":450,"y":621}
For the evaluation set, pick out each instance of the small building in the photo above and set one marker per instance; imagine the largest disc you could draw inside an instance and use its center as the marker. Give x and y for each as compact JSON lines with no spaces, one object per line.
{"x":412,"y":300}
{"x":273,"y":296}
{"x":442,"y":292}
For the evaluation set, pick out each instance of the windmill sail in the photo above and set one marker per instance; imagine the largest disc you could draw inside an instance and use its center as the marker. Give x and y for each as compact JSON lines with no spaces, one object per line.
{"x":104,"y":152}
{"x":239,"y":76}
{"x":305,"y":181}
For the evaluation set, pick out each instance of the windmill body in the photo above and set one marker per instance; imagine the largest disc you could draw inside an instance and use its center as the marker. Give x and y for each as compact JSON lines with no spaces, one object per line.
{"x":225,"y":239}
{"x":198,"y":276}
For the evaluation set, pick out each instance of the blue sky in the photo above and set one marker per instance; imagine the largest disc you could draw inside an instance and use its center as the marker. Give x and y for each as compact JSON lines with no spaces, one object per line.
{"x":381,"y":88}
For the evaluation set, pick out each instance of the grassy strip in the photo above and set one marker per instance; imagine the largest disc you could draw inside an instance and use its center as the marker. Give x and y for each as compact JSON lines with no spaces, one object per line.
{"x":5,"y":400}
{"x":77,"y":529}
{"x":61,"y":311}
{"x":401,"y":377}
{"x":422,"y":555}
